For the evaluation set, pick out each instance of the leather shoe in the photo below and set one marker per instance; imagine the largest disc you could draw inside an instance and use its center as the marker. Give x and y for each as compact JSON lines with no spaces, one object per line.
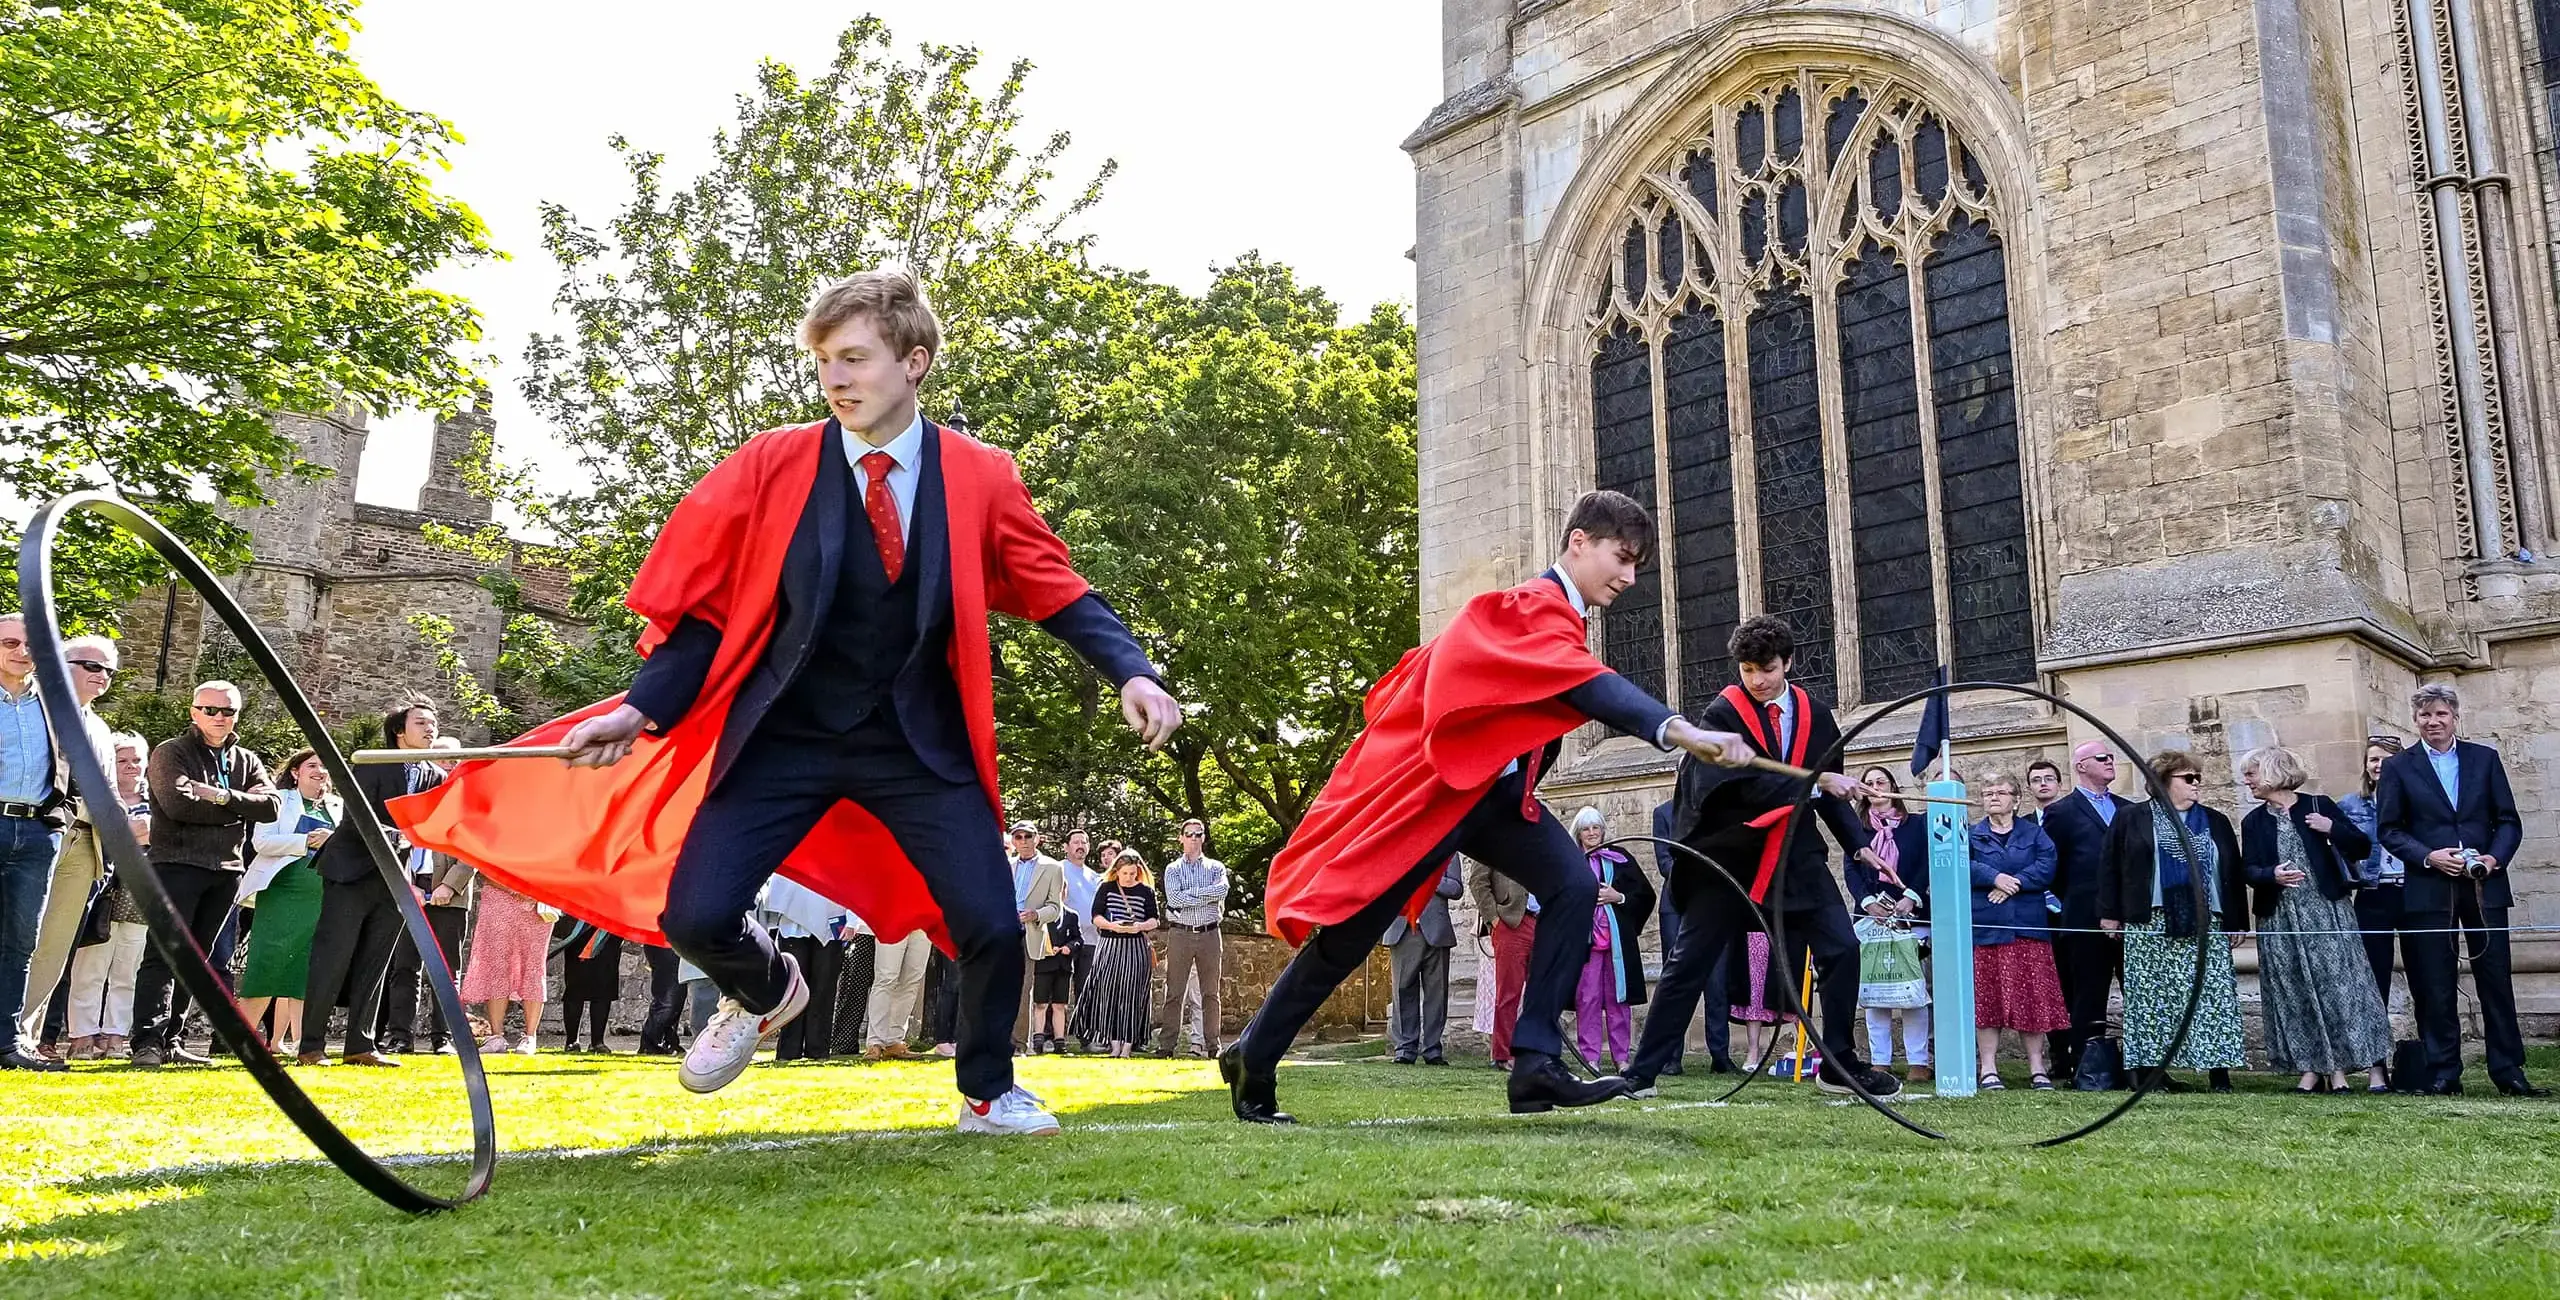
{"x":1540,"y":1083}
{"x":1404,"y":1060}
{"x":2521,"y":1088}
{"x":1674,"y":1069}
{"x":311,"y":1058}
{"x":2441,"y":1090}
{"x":17,"y":1060}
{"x":370,"y":1058}
{"x":1876,"y":1083}
{"x":1435,"y":1059}
{"x":1253,"y":1095}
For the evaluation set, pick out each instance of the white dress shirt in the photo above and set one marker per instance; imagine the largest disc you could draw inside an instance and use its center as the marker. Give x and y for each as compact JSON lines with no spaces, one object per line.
{"x":906,"y":452}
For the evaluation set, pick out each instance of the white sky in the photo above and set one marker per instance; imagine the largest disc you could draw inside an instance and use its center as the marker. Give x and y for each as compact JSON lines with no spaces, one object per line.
{"x":1236,"y":128}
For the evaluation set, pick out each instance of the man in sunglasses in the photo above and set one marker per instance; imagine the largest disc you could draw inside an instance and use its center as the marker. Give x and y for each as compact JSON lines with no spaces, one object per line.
{"x":206,"y":790}
{"x":2087,"y":961}
{"x":80,"y":865}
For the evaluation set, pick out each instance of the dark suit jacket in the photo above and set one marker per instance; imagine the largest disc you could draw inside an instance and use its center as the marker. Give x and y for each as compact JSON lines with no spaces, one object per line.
{"x":926,"y":708}
{"x":1713,"y":805}
{"x":1437,"y":932}
{"x":2079,"y":838}
{"x":343,"y":858}
{"x":2412,"y":820}
{"x":2332,"y":855}
{"x":2133,"y":862}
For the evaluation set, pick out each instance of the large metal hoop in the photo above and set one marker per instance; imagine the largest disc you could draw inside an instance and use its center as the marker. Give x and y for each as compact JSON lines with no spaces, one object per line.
{"x":1773,"y":921}
{"x":186,"y":959}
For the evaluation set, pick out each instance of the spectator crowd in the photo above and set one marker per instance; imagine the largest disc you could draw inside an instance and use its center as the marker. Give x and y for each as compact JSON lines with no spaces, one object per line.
{"x":2076,"y":890}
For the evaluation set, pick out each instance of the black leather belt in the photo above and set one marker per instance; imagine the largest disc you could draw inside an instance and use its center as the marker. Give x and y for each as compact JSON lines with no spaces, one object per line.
{"x":1196,"y":929}
{"x":25,"y":812}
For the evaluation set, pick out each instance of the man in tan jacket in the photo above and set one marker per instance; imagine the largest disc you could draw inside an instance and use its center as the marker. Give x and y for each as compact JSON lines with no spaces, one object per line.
{"x":1040,"y":897}
{"x":1508,"y":914}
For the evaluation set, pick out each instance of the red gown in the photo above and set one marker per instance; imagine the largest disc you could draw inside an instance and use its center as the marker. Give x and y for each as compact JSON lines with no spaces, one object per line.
{"x":600,"y":843}
{"x":1442,"y":725}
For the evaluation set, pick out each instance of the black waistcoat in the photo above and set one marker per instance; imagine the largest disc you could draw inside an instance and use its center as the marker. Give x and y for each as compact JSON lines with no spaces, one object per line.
{"x":870,"y":632}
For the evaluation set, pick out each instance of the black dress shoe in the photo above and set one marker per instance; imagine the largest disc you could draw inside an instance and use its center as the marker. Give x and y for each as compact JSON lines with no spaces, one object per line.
{"x":1721,"y":1065}
{"x":1252,"y":1095}
{"x":1674,"y":1069}
{"x":17,"y":1060}
{"x":2218,"y":1081}
{"x":1404,"y":1060}
{"x":1435,"y":1059}
{"x":2441,"y":1090}
{"x":2521,"y":1088}
{"x":1540,"y":1083}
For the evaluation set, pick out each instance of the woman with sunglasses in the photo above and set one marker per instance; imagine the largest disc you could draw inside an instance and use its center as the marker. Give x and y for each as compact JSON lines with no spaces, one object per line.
{"x":2146,"y":892}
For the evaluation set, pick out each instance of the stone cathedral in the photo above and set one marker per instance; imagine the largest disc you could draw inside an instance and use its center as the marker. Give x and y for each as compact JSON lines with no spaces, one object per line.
{"x":2190,"y":360}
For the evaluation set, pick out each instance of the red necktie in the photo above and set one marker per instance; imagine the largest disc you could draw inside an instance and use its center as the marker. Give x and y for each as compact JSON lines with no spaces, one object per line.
{"x":1777,"y":731}
{"x":883,"y":509}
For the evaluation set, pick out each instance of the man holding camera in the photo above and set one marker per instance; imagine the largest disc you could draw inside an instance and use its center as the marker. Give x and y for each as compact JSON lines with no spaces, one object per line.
{"x":2444,"y":807}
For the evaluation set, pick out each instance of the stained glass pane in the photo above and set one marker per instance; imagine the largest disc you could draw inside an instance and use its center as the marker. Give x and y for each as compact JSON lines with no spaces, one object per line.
{"x":1888,"y":498}
{"x":1631,"y":262}
{"x":1845,"y":112}
{"x":1978,"y":476}
{"x":1750,"y":139}
{"x":1700,"y":176}
{"x":1755,"y":227}
{"x":1790,"y":127}
{"x":1701,"y":454}
{"x":1622,"y":447}
{"x":1792,"y":223}
{"x":1929,"y":160}
{"x":1884,"y":177}
{"x":1794,"y":515}
{"x":1670,"y":245}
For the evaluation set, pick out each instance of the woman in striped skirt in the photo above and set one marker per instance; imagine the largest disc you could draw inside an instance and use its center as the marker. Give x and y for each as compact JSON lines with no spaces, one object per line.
{"x":1113,"y":1008}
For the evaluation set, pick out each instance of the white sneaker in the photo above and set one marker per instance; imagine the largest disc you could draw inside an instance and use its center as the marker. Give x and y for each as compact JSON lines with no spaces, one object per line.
{"x":527,"y":1045}
{"x":1018,"y":1111}
{"x":727,"y":1046}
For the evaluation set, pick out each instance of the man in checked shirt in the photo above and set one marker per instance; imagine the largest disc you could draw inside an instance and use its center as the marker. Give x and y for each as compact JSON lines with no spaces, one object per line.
{"x":1195,"y":899}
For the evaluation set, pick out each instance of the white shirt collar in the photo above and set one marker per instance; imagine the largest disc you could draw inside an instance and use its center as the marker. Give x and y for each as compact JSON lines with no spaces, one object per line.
{"x":1581,"y":607}
{"x":907,"y":449}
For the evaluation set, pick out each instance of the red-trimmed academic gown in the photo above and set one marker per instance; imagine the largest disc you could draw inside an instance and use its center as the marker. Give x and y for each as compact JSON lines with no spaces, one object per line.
{"x":600,"y":843}
{"x":1442,"y":726}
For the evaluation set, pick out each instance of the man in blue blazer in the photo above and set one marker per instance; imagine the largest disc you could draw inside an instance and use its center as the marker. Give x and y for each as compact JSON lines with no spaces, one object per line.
{"x":2444,"y":807}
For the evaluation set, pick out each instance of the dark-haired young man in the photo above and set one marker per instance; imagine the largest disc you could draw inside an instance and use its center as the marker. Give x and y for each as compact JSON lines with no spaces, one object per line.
{"x":1458,"y":734}
{"x":1740,"y":819}
{"x":359,"y":924}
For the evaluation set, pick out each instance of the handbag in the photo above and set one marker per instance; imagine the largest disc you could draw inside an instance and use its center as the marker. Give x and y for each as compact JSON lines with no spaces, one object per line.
{"x":97,"y":916}
{"x":2101,"y":1066}
{"x":1889,"y":969}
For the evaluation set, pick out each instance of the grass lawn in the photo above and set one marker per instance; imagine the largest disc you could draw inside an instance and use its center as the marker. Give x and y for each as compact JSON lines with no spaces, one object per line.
{"x":844,"y":1179}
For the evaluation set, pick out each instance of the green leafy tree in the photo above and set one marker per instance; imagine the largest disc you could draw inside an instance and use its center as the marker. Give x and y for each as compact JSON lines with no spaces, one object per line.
{"x":1249,"y":485}
{"x":212,"y":214}
{"x":684,"y":307}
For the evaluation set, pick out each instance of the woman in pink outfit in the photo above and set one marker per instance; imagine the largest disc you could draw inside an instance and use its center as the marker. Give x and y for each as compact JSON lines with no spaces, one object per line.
{"x":1613,"y":976}
{"x":510,"y":944}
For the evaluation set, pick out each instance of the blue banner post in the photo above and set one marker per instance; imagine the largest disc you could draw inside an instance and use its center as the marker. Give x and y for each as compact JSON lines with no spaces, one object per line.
{"x":1951,"y":940}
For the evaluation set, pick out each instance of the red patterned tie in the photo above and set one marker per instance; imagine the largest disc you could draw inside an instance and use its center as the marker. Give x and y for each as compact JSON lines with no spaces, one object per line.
{"x":1777,"y":730}
{"x":883,"y":509}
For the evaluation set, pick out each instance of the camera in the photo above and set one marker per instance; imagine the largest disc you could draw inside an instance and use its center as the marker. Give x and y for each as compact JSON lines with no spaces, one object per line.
{"x":2473,"y":865}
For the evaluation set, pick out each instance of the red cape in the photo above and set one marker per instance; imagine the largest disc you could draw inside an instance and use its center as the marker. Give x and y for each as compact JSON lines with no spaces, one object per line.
{"x":1442,"y":725}
{"x":600,"y":844}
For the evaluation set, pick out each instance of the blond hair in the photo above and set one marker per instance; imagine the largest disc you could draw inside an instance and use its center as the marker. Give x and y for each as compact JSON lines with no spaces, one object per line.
{"x":2278,"y":768}
{"x":889,"y":296}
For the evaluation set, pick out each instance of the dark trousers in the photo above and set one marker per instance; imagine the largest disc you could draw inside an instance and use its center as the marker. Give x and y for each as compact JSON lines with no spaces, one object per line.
{"x":782,"y":783}
{"x":2378,"y":915}
{"x":2434,"y":971}
{"x":1712,"y":925}
{"x":1541,"y":856}
{"x":350,"y":951}
{"x":202,"y":896}
{"x":1716,"y":1004}
{"x":1420,"y":1012}
{"x":598,"y":1010}
{"x":1083,"y":972}
{"x":403,"y":981}
{"x":941,"y":998}
{"x":2087,"y":965}
{"x":812,"y":1036}
{"x":666,"y":1003}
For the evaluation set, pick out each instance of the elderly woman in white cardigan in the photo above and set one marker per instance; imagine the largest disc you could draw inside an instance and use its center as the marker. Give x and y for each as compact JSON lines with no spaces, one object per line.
{"x":281,"y":883}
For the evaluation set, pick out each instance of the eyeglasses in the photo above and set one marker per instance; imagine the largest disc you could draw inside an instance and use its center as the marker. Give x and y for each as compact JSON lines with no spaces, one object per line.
{"x":2102,"y":758}
{"x":2191,"y":778}
{"x":93,"y":666}
{"x":217,"y":710}
{"x":12,"y":643}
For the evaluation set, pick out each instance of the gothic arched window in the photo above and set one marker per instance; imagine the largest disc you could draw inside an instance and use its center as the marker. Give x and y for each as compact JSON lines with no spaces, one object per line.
{"x":1806,"y":308}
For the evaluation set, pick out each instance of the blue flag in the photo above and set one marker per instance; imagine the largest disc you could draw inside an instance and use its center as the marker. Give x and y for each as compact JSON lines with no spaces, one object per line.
{"x":1933,"y":729}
